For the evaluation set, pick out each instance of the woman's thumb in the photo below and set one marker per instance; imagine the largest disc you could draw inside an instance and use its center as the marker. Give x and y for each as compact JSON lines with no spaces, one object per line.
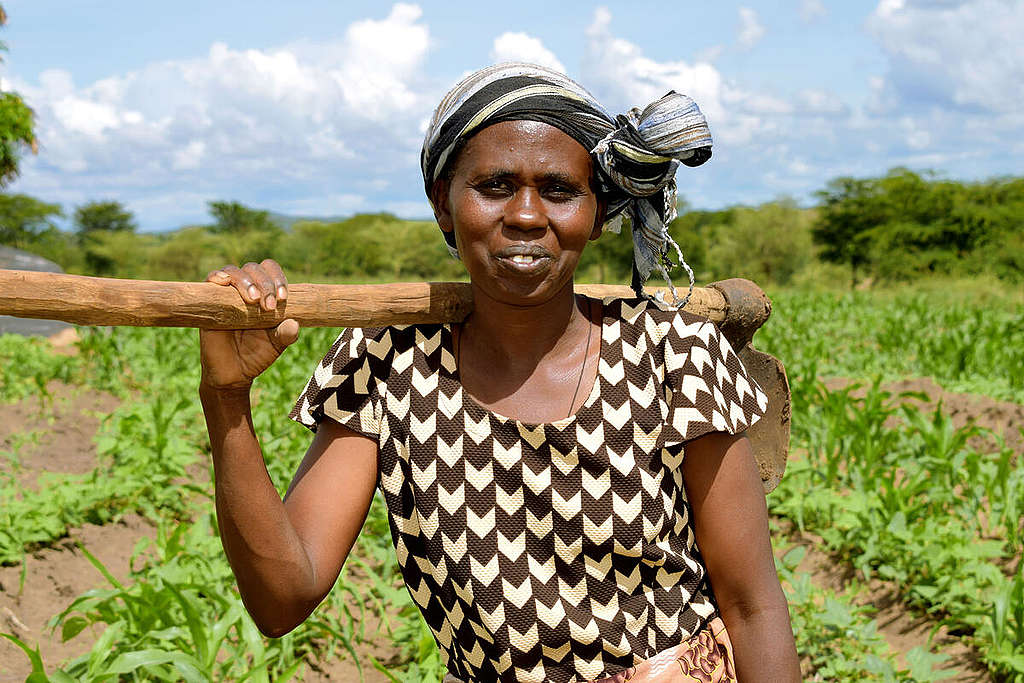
{"x":284,"y":334}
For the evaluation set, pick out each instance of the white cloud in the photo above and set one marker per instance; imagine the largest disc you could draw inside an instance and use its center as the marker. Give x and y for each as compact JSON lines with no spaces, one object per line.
{"x":751,"y":29}
{"x":522,"y":47}
{"x":250,"y":123}
{"x":189,"y":156}
{"x":812,"y":10}
{"x":619,"y":74}
{"x":964,"y":53}
{"x":820,"y":102}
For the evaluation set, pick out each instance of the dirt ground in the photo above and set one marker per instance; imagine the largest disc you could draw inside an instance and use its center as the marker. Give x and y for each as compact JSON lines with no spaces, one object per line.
{"x":57,"y":437}
{"x":1005,"y":419}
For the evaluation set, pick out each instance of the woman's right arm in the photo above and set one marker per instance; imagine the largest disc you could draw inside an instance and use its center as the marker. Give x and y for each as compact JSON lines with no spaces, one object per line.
{"x":285,"y":554}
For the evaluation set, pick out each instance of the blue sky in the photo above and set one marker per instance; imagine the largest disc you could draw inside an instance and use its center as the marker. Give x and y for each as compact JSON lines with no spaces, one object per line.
{"x":318,"y":107}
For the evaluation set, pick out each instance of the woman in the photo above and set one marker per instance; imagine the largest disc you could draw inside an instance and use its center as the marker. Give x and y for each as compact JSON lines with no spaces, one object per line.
{"x":531,"y":457}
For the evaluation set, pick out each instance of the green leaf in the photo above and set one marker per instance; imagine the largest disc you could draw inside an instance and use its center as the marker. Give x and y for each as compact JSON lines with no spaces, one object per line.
{"x":99,"y":566}
{"x":71,"y":627}
{"x":132,"y":661}
{"x":33,"y":655}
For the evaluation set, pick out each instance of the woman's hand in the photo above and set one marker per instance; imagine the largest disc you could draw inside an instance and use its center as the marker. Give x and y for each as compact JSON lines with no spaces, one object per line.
{"x":232,"y":359}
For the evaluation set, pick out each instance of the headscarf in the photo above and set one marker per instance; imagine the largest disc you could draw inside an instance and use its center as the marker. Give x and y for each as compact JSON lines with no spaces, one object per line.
{"x":636,"y":154}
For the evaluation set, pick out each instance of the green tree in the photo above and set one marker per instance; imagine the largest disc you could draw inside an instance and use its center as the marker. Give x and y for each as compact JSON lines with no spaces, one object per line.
{"x":16,"y":128}
{"x":849,"y":209}
{"x":23,"y":218}
{"x":98,"y":223}
{"x":233,"y":217}
{"x":768,"y":244}
{"x":105,"y":216}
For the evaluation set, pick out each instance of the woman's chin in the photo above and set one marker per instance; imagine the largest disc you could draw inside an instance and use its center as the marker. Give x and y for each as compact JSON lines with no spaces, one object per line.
{"x":521,"y":289}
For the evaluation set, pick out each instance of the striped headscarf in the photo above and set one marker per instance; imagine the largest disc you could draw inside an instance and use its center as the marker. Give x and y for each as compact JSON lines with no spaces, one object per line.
{"x":635,"y":154}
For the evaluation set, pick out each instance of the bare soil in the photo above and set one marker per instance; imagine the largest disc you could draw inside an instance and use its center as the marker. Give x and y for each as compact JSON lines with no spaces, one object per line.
{"x":902,"y":629}
{"x":1002,"y":418}
{"x":56,"y":436}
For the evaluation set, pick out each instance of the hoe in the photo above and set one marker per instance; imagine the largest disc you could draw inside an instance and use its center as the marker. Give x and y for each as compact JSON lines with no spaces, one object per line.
{"x":738,"y":306}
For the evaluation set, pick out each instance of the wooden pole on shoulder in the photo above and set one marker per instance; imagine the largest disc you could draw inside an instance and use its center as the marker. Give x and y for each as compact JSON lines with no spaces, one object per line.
{"x":145,"y":303}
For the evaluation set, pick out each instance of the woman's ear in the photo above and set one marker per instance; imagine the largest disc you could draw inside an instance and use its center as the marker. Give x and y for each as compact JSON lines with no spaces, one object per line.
{"x":439,"y":199}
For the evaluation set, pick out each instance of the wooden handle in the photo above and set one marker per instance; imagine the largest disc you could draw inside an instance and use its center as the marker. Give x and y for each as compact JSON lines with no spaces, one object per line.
{"x":145,"y":303}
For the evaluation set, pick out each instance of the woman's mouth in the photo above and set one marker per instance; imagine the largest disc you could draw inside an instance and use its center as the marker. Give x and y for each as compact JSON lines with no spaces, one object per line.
{"x":526,"y":259}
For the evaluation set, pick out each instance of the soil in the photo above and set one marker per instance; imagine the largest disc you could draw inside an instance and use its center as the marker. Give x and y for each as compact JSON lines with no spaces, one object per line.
{"x":57,"y":437}
{"x":1005,"y":419}
{"x":902,"y":629}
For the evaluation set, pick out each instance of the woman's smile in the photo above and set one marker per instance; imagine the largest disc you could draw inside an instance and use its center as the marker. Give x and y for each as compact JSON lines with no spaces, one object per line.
{"x":526,"y":259}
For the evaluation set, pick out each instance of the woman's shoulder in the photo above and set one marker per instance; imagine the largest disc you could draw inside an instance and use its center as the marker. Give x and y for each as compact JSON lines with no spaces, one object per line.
{"x":658,"y":319}
{"x":391,"y":337}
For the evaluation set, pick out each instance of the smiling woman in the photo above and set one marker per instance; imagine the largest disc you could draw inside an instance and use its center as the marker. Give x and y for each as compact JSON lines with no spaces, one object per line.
{"x":566,"y":478}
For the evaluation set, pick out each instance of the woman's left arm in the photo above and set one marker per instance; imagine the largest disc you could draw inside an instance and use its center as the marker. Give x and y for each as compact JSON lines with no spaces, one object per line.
{"x":730,"y":519}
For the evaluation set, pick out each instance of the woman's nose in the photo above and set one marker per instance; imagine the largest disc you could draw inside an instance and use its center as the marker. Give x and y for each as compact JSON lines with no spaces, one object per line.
{"x":525,"y":210}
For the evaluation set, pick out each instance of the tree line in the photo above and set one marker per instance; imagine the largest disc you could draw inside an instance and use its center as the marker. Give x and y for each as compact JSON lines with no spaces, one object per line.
{"x":896,"y":227}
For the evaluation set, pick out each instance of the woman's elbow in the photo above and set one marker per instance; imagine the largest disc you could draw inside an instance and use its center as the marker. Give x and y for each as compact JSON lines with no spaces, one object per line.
{"x":275,"y":621}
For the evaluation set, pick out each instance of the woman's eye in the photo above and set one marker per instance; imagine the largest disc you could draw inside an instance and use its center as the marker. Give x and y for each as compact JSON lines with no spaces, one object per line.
{"x":563,"y":192}
{"x":493,"y":187}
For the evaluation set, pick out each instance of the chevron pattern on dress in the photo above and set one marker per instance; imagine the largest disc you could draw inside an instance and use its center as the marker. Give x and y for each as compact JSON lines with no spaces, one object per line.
{"x":561,"y":551}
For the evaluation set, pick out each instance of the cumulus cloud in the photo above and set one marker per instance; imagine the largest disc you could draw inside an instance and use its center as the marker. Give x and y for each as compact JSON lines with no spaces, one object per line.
{"x":751,"y":29}
{"x":812,"y":10}
{"x":522,"y":47}
{"x":962,"y":53}
{"x":619,"y":73}
{"x":240,"y":118}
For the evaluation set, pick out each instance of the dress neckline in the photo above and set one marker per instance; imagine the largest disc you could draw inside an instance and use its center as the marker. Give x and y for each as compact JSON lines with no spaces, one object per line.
{"x":448,"y":341}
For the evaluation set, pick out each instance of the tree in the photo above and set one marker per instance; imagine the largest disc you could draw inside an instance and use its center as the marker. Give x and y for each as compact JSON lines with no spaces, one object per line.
{"x":106,"y":216}
{"x":233,"y":217}
{"x":22,"y":218}
{"x":850,"y":208}
{"x":16,"y":128}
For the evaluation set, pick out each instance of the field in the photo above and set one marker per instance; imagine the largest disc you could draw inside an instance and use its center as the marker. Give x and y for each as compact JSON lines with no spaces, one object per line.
{"x":898,"y":525}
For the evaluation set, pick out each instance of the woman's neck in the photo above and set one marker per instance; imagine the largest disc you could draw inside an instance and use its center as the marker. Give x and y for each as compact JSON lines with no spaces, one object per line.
{"x":523,"y":335}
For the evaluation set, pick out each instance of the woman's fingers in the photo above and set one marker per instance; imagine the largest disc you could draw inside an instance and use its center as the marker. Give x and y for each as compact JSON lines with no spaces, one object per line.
{"x":284,"y":335}
{"x":261,"y":283}
{"x":219,"y":276}
{"x":276,"y":274}
{"x":262,"y":280}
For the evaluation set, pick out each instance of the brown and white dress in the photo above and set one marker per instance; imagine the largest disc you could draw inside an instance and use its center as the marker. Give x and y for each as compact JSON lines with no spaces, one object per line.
{"x":561,"y":551}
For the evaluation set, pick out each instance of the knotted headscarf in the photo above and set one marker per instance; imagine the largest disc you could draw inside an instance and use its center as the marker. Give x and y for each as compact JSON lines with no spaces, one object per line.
{"x":636,"y":154}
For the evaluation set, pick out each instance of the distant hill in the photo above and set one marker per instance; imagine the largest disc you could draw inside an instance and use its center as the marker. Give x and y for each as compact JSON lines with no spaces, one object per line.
{"x":286,"y":222}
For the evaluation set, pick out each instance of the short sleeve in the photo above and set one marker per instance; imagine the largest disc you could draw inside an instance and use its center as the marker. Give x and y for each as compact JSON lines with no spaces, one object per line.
{"x":346,"y":384}
{"x":710,"y":390}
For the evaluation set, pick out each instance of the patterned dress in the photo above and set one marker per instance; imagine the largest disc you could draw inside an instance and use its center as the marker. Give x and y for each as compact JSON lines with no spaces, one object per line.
{"x":561,"y":551}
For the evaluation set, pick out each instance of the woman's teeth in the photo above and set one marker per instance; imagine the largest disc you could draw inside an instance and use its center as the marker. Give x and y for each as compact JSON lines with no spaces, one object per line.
{"x":522,"y":259}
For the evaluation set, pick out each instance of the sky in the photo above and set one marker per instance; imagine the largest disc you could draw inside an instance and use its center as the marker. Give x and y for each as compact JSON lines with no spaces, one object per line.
{"x":318,"y":108}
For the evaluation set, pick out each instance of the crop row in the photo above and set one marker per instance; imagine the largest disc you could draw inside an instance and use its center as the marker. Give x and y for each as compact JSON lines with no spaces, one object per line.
{"x":903,"y":496}
{"x":964,"y":345}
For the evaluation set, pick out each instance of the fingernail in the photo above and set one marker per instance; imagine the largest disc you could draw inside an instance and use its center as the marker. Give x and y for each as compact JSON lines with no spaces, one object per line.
{"x":282,"y":292}
{"x":271,"y":302}
{"x":253,"y":292}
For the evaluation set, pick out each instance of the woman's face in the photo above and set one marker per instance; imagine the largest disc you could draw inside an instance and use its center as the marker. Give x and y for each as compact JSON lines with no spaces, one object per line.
{"x":522,"y":208}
